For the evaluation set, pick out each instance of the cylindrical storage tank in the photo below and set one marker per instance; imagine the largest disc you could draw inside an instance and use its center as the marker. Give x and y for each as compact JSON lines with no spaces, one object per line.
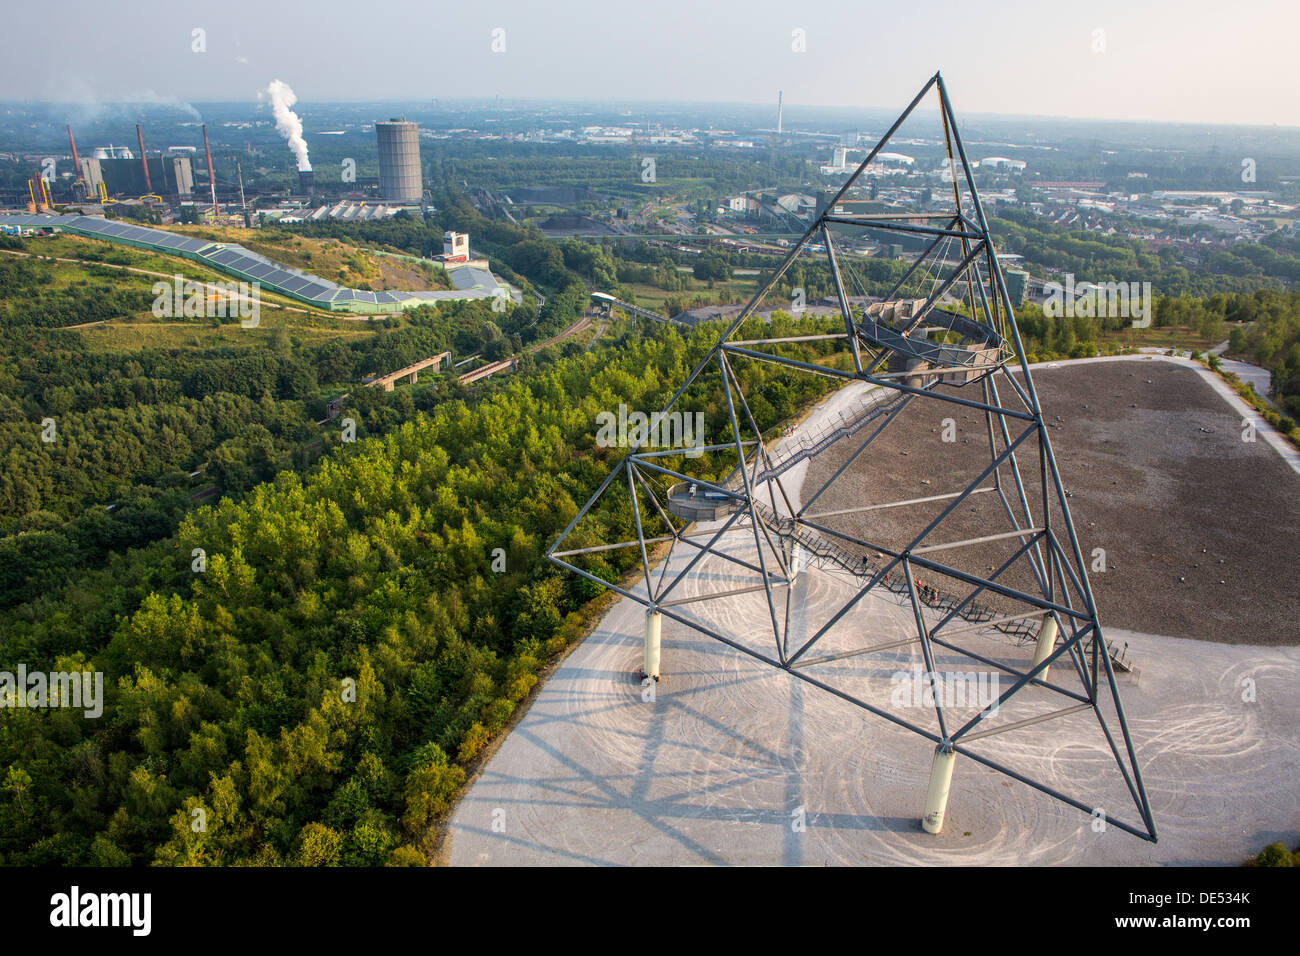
{"x":399,"y":161}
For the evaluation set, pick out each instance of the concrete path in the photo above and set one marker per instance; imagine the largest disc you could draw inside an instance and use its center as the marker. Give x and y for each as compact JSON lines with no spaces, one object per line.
{"x":1260,"y":378}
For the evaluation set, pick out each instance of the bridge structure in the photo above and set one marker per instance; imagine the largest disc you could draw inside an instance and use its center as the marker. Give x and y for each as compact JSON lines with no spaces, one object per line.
{"x":943,"y":340}
{"x":608,"y":302}
{"x":470,"y":378}
{"x":410,"y":372}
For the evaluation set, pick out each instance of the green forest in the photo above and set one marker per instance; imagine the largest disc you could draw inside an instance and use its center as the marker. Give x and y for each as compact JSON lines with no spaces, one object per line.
{"x":104,"y":449}
{"x":1268,"y":332}
{"x":310,"y":667}
{"x":136,"y":434}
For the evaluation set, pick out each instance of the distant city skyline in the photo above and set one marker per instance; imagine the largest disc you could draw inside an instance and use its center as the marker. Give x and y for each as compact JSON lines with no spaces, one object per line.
{"x":1189,"y":62}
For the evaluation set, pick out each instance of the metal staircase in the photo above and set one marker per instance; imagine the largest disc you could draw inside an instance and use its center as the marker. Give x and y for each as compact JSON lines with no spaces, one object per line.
{"x":822,"y":551}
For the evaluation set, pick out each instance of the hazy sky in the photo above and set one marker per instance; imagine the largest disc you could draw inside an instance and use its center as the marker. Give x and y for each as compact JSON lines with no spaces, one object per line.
{"x":1219,"y":61}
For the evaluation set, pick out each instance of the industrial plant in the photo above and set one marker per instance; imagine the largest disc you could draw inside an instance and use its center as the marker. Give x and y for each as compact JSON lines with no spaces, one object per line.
{"x":159,"y":187}
{"x":177,"y":183}
{"x":111,"y":174}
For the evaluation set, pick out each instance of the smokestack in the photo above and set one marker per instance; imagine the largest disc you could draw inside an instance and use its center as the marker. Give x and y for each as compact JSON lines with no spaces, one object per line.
{"x":212,"y":177}
{"x":144,"y":163}
{"x":780,"y":97}
{"x":306,"y":181}
{"x":76,"y":162}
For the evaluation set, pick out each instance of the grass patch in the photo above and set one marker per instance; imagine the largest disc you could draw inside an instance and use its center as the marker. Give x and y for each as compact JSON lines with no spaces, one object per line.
{"x":1169,"y":336}
{"x":332,"y":259}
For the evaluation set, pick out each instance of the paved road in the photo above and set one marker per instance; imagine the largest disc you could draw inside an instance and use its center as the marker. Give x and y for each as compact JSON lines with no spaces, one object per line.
{"x":1260,"y":378}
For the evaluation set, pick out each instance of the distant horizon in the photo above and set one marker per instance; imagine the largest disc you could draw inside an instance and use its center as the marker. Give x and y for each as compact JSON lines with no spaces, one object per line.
{"x":303,"y":106}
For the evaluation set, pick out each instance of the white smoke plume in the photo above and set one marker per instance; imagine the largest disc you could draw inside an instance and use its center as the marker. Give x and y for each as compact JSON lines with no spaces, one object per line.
{"x":149,"y":96}
{"x":87,"y":107}
{"x":287,"y":121}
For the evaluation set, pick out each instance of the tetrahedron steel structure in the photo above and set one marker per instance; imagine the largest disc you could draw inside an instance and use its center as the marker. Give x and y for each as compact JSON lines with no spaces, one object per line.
{"x":724,"y":551}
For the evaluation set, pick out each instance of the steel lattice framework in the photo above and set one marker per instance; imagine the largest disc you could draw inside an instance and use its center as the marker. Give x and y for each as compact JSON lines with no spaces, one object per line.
{"x":959,"y":345}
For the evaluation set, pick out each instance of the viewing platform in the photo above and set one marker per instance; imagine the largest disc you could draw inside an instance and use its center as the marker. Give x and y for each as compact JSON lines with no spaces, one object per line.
{"x":903,"y":326}
{"x":693,"y":502}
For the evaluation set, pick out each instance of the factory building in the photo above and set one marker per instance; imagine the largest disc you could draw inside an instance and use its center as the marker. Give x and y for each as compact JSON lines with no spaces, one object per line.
{"x":1001,"y":162}
{"x":168,"y":176}
{"x":399,"y":161}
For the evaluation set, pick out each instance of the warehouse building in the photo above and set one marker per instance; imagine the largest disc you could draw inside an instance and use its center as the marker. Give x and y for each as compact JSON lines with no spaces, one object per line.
{"x":168,"y":176}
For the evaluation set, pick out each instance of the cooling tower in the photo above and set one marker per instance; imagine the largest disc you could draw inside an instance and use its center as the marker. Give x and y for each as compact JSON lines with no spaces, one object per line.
{"x":399,"y":161}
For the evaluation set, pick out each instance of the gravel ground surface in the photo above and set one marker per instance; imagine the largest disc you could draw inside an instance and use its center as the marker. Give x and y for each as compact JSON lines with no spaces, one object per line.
{"x":1199,"y":527}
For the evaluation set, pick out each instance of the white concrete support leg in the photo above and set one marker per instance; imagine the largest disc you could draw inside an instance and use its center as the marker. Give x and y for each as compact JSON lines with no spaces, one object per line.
{"x":936,"y":798}
{"x":653,"y":621}
{"x":796,"y":560}
{"x":1046,"y":644}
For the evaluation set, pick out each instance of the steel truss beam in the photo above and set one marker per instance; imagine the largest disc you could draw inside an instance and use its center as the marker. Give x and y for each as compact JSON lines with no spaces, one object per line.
{"x":1039,"y":531}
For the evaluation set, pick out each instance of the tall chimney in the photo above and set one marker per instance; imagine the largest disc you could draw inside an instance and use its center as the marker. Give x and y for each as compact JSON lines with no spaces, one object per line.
{"x":148,"y":186}
{"x":76,"y":162}
{"x":780,"y":97}
{"x":212,"y":178}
